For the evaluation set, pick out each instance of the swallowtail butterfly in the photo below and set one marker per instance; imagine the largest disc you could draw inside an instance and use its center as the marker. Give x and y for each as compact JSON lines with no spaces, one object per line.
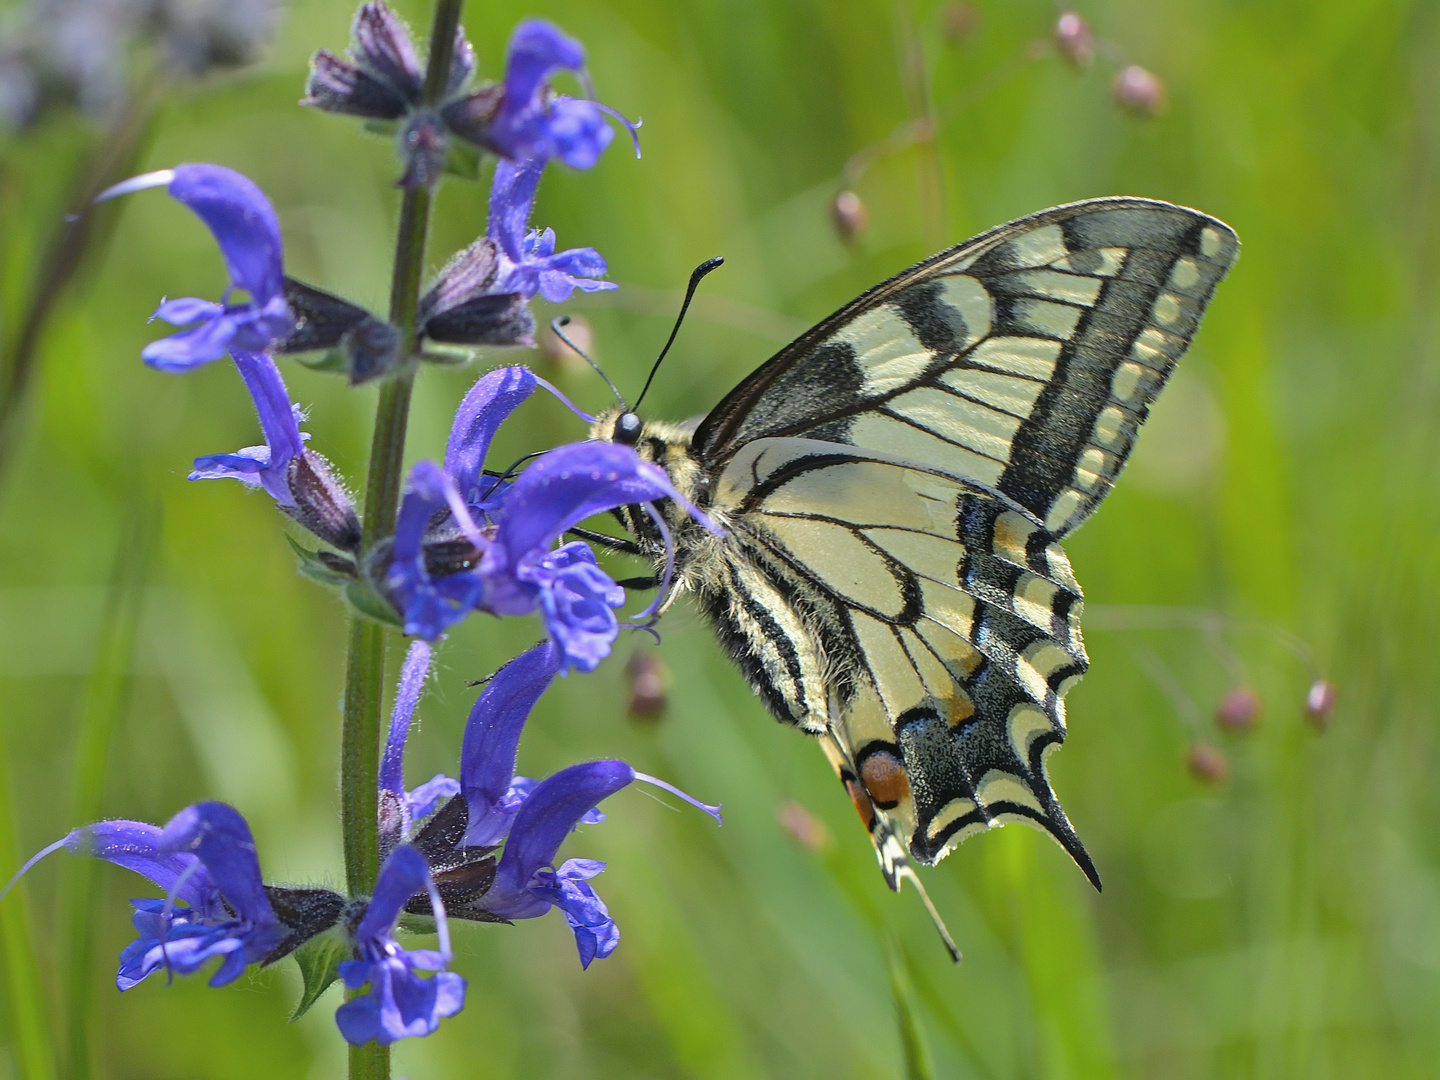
{"x":894,"y":486}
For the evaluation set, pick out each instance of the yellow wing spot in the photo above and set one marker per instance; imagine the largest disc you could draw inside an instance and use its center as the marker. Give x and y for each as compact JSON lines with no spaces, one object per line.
{"x":985,"y":431}
{"x":1059,"y":565}
{"x":1000,"y":786}
{"x":1108,"y":426}
{"x":1035,"y":600}
{"x":1185,"y":276}
{"x":1212,"y":242}
{"x":950,"y":813}
{"x":957,"y":707}
{"x":1046,"y":657}
{"x":1063,"y":509}
{"x":1064,"y":287}
{"x":1032,"y":357}
{"x":1004,"y":392}
{"x":1156,"y":349}
{"x":1167,"y":309}
{"x":1054,"y":320}
{"x":969,"y":298}
{"x":888,"y":353}
{"x":881,"y":433}
{"x":1127,"y":378}
{"x":1024,"y":723}
{"x":1039,"y":247}
{"x":952,"y":609}
{"x":1091,"y":469}
{"x":1012,"y":533}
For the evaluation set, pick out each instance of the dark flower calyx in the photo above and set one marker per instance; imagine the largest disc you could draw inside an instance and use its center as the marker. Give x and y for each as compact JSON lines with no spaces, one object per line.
{"x":322,"y":505}
{"x":463,"y":308}
{"x":370,"y":347}
{"x":303,"y":913}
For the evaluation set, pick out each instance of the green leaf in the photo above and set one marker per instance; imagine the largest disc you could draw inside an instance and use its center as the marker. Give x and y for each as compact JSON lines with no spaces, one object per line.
{"x":333,"y":360}
{"x":315,"y":568}
{"x":366,"y":601}
{"x":319,"y":962}
{"x":462,"y":159}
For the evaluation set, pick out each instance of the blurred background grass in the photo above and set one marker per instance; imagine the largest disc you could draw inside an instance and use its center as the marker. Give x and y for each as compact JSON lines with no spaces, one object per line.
{"x":1282,"y":922}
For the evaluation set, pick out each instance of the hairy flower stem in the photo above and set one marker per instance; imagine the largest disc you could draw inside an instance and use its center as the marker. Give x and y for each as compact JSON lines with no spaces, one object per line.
{"x":365,"y":663}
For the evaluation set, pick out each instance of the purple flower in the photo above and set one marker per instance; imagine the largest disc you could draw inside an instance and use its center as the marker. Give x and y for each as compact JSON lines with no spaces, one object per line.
{"x":531,"y":819}
{"x":245,"y":227}
{"x":492,"y":551}
{"x":523,"y":118}
{"x":526,"y":885}
{"x":300,"y":481}
{"x":528,"y":262}
{"x":401,"y":1003}
{"x":216,"y":906}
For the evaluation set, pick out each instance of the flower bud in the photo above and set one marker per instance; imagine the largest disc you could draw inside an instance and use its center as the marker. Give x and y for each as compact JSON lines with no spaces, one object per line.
{"x":805,"y":828}
{"x":1207,"y":764}
{"x":1139,"y":92}
{"x":1075,"y":40}
{"x":1320,"y":702}
{"x":648,"y":679}
{"x":849,"y":215}
{"x":1239,"y":709}
{"x":577,"y":328}
{"x":960,"y":22}
{"x":322,"y":505}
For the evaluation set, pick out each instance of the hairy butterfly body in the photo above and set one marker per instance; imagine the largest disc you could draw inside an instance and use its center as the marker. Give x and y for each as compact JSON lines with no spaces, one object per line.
{"x":894,"y":486}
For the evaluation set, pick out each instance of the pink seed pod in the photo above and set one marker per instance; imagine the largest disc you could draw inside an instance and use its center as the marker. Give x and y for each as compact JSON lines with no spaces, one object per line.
{"x":849,"y":215}
{"x":1139,"y":91}
{"x":1320,"y":702}
{"x":1239,"y":709}
{"x":804,"y":828}
{"x":1207,"y":764}
{"x":648,"y":681}
{"x":960,"y":22}
{"x":1074,"y":39}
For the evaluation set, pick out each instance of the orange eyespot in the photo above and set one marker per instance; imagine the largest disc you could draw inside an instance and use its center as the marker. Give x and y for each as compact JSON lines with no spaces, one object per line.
{"x":863,"y":806}
{"x":884,"y":778}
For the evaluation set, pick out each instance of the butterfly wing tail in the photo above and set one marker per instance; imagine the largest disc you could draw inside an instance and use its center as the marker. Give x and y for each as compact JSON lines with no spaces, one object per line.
{"x":895,"y":861}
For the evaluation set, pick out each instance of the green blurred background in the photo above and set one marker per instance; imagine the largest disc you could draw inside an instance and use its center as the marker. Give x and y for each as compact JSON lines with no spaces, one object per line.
{"x":1281,"y":922}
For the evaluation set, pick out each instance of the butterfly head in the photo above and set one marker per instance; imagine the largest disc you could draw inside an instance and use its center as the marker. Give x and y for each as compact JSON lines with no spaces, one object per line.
{"x":626,"y":429}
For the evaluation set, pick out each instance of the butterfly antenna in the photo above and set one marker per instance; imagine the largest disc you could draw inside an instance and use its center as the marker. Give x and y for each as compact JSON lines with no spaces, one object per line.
{"x":696,"y":276}
{"x":564,"y":320}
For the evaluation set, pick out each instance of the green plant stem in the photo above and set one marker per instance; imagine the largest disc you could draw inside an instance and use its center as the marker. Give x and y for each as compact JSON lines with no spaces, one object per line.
{"x":365,"y":662}
{"x":77,"y":235}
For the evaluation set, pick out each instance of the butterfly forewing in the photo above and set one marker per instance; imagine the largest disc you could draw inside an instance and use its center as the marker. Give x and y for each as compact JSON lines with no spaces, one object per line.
{"x":1022,"y":362}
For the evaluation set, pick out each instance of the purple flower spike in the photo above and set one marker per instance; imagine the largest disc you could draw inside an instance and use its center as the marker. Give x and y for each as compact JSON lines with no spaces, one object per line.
{"x":400,"y":1003}
{"x":577,"y":602}
{"x":528,"y":261}
{"x":268,"y":465}
{"x":492,"y":737}
{"x":244,"y":225}
{"x":490,"y":401}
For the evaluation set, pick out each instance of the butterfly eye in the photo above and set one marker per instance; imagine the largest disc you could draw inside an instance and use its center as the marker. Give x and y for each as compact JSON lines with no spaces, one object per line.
{"x":627,"y":429}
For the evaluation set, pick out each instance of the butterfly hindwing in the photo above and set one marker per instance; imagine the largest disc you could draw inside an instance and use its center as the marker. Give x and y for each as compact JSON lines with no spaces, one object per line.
{"x":948,"y":624}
